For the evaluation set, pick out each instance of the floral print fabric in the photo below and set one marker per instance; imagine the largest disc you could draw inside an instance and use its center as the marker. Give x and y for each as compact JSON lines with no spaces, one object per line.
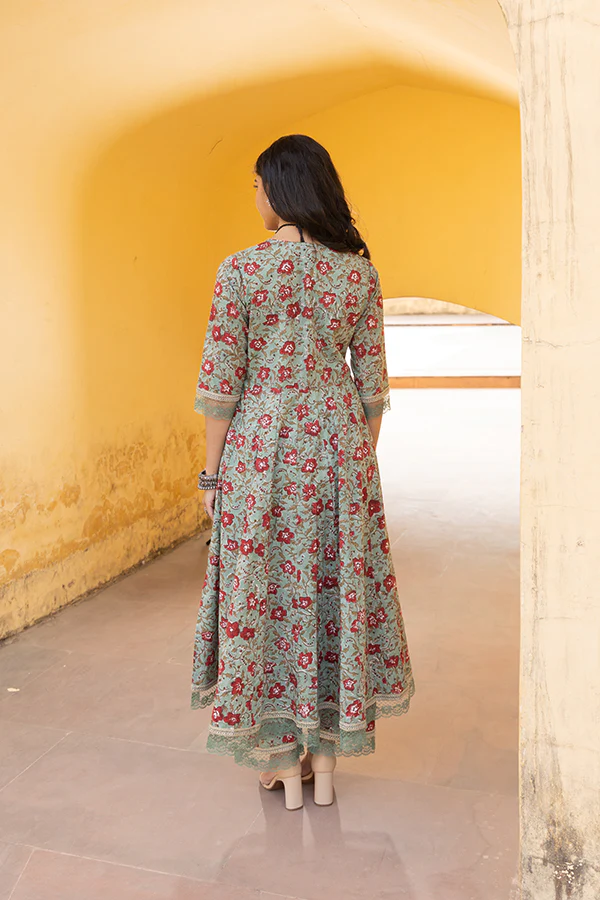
{"x":300,"y":639}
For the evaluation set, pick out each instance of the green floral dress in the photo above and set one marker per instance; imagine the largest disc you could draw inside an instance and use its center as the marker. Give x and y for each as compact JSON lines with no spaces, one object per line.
{"x":300,"y":640}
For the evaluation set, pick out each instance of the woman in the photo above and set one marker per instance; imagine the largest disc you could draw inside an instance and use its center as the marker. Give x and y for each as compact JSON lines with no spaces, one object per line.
{"x":300,"y":644}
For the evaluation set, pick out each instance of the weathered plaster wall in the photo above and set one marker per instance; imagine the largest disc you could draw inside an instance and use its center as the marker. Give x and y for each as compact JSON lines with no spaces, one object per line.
{"x":557,"y":44}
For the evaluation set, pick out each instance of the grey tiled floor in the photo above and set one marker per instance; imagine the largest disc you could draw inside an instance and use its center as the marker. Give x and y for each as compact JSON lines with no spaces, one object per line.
{"x":106,"y":790}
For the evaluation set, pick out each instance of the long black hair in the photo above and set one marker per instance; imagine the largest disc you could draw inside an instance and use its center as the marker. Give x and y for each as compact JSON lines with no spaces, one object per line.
{"x":303,"y":186}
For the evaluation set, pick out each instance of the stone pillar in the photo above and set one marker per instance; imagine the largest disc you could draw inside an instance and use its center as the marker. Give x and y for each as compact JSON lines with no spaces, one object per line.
{"x":557,"y":48}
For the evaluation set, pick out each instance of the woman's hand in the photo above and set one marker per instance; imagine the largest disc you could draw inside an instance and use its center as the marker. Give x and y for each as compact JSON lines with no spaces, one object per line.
{"x":209,"y":502}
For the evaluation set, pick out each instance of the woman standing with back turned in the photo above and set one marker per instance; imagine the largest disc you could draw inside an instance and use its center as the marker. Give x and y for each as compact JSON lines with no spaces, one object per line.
{"x":300,"y":644}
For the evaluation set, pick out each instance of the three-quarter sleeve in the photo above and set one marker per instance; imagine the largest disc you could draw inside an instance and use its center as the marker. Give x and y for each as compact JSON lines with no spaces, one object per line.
{"x":225,"y":352}
{"x":367,"y":354}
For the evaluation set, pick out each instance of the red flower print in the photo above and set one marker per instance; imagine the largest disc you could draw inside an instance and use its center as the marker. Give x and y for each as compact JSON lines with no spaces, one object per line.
{"x":276,"y":690}
{"x":251,"y":267}
{"x":389,"y":581}
{"x":352,"y":319}
{"x":296,"y":632}
{"x":310,"y":363}
{"x":285,"y":431}
{"x":331,"y":657}
{"x":260,"y":549}
{"x":350,"y":683}
{"x":330,"y":403}
{"x":392,"y":662}
{"x":259,"y":297}
{"x":329,"y":551}
{"x":358,"y":564}
{"x":283,"y":644}
{"x":207,"y":635}
{"x":237,"y":686}
{"x":320,"y":343}
{"x":305,"y":659}
{"x":277,"y":511}
{"x":291,"y":489}
{"x":231,"y":545}
{"x":373,"y":621}
{"x":354,"y":708}
{"x":302,"y":603}
{"x":284,"y":373}
{"x":291,"y":457}
{"x":332,"y":629}
{"x":225,"y":386}
{"x":381,"y":614}
{"x":305,"y":709}
{"x":246,"y":546}
{"x":324,"y":267}
{"x":265,"y":420}
{"x":288,"y":739}
{"x":397,"y":688}
{"x":232,"y":718}
{"x":285,"y":536}
{"x":370,"y":727}
{"x":309,"y":283}
{"x":252,"y":601}
{"x":261,"y":463}
{"x":269,"y":668}
{"x":218,"y":289}
{"x":208,"y":366}
{"x":293,"y":310}
{"x":288,"y":347}
{"x":310,"y":465}
{"x":217,"y":714}
{"x":330,"y":581}
{"x":326,"y":375}
{"x":286,"y":267}
{"x":257,"y":343}
{"x":312,"y":427}
{"x":271,"y":319}
{"x":279,"y":613}
{"x":247,"y":633}
{"x":317,"y":507}
{"x":232,"y":311}
{"x":232,"y":629}
{"x":210,"y":659}
{"x":307,"y":312}
{"x":302,"y":410}
{"x":327,"y":299}
{"x":252,"y":668}
{"x":354,"y":276}
{"x":334,"y":324}
{"x":373,"y":649}
{"x":262,"y":607}
{"x":371,"y":322}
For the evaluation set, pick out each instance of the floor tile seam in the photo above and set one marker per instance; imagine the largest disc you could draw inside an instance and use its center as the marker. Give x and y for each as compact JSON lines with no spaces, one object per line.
{"x":111,"y":862}
{"x":228,"y":856}
{"x":36,"y":760}
{"x":44,"y":671}
{"x":22,"y":872}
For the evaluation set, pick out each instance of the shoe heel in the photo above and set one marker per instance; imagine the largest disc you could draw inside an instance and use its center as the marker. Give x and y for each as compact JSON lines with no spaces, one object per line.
{"x":293,"y":792}
{"x":323,"y":788}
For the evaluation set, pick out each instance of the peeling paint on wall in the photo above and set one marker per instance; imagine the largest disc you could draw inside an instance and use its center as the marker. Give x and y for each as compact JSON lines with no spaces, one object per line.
{"x":123,"y":504}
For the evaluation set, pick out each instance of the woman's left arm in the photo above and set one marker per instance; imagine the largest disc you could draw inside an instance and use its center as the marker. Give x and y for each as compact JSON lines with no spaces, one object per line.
{"x":224,"y":365}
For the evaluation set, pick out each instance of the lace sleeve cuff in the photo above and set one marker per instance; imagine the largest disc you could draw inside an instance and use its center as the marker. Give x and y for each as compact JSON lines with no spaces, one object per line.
{"x":217,"y":406}
{"x":376,"y":405}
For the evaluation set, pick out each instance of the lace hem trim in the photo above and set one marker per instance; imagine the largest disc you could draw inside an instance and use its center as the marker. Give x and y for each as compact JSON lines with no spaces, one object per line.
{"x":279,"y":740}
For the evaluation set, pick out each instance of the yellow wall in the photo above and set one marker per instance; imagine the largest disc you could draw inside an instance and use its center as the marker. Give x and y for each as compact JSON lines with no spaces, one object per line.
{"x":112,"y":239}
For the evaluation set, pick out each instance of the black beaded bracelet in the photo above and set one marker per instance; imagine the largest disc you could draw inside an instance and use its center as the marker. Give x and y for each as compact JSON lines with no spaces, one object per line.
{"x":207,"y":482}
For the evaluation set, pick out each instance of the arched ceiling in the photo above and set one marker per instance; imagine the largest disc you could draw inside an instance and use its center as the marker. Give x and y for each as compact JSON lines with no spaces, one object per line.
{"x":86,"y":69}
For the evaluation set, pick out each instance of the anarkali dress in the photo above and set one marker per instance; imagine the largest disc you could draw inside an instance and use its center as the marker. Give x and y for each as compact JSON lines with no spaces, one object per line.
{"x":300,"y":641}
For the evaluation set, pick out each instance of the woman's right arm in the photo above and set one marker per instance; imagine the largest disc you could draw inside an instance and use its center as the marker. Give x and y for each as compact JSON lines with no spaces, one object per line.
{"x":368,"y":359}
